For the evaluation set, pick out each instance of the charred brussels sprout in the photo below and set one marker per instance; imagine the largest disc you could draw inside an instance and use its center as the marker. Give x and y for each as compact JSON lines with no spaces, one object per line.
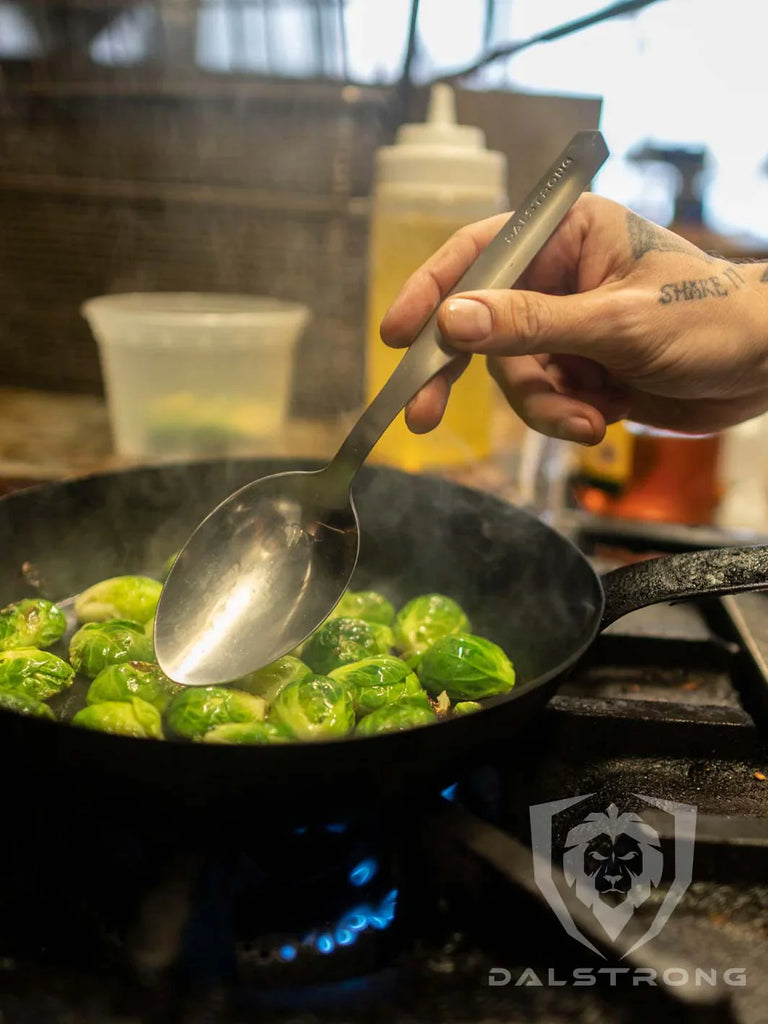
{"x":315,"y":708}
{"x":99,"y":644}
{"x":134,"y":717}
{"x":29,"y":672}
{"x":248,"y":733}
{"x":267,"y":682}
{"x":466,"y":667}
{"x":425,"y":619}
{"x":366,"y":605}
{"x":196,"y":710}
{"x":122,"y":597}
{"x":24,"y":706}
{"x":133,"y":679}
{"x":33,"y":622}
{"x":342,"y":641}
{"x":466,"y":707}
{"x":396,"y":718}
{"x":376,"y":682}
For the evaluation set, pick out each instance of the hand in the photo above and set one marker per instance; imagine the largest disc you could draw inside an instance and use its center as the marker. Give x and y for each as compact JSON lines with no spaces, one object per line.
{"x":615,"y":318}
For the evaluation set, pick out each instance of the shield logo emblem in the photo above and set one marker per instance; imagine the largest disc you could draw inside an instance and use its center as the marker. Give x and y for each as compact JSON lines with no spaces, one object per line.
{"x":612,"y":861}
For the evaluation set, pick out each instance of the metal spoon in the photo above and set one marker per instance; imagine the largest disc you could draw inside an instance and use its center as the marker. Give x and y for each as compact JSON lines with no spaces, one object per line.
{"x":267,"y":566}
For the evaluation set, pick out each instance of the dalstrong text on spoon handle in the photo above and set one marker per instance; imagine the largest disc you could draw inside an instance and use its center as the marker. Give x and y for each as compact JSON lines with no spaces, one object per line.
{"x":499,"y":265}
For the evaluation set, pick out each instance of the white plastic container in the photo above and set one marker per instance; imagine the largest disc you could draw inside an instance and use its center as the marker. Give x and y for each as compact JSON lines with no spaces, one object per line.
{"x":190,"y":374}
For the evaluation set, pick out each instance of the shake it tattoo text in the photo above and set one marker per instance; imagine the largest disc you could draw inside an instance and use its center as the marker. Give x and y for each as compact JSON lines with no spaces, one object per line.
{"x":715,"y":287}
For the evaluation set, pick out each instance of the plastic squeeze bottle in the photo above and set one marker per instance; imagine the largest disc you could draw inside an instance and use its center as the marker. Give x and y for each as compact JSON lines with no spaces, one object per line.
{"x":437,"y":177}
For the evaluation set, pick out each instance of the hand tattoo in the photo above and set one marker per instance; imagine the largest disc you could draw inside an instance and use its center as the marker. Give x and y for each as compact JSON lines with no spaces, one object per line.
{"x":646,"y":237}
{"x":699,"y":288}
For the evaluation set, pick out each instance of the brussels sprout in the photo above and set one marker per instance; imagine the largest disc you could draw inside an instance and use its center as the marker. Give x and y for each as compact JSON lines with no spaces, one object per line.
{"x":33,"y":622}
{"x":267,"y":682}
{"x":314,"y":708}
{"x":166,"y":570}
{"x":195,"y":710}
{"x":385,"y":638}
{"x":375,"y":682}
{"x":28,"y":672}
{"x":133,"y":679}
{"x":423,"y":620}
{"x":248,"y":732}
{"x":366,"y":605}
{"x":122,"y":597}
{"x":341,"y":641}
{"x":134,"y":717}
{"x":407,"y":714}
{"x":466,"y":707}
{"x":466,"y":667}
{"x":24,"y":706}
{"x":99,"y":644}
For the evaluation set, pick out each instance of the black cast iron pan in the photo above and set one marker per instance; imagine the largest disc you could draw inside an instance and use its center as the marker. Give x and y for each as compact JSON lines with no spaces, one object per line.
{"x":522,"y":584}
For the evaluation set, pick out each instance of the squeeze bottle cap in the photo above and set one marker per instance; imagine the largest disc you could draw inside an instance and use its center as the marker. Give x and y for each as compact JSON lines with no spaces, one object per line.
{"x":441,"y":153}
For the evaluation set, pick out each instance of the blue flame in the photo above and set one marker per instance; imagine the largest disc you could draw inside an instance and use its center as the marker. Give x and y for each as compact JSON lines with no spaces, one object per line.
{"x":449,"y":793}
{"x":288,"y":953}
{"x":350,"y":927}
{"x":336,"y":827}
{"x":364,"y":871}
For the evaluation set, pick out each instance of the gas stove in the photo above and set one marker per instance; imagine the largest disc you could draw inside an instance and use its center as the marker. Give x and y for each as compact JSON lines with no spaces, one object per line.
{"x":444,"y":914}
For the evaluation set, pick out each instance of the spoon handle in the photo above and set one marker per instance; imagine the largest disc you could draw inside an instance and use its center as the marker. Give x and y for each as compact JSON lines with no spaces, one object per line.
{"x":499,"y":265}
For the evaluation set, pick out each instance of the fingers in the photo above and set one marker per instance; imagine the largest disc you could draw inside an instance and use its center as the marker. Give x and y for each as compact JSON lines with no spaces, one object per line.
{"x":579,"y":415}
{"x":426,"y":408}
{"x":424,"y":289}
{"x":524,"y":323}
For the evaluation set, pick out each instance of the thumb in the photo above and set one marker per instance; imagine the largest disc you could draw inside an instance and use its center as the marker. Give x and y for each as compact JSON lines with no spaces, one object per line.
{"x":514,"y":323}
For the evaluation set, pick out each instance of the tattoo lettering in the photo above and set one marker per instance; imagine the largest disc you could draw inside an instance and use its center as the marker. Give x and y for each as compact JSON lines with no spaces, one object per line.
{"x":646,"y":237}
{"x":734,"y":277}
{"x":684,"y":291}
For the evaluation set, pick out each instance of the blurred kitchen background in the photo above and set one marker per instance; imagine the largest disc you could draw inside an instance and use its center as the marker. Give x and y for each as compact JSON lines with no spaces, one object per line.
{"x":228,"y":146}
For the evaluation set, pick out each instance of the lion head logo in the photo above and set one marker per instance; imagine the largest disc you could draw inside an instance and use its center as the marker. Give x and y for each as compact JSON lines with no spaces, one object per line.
{"x":615,"y":862}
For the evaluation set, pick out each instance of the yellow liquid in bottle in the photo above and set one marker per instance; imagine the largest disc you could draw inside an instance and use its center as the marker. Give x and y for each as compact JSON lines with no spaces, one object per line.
{"x":399,"y":243}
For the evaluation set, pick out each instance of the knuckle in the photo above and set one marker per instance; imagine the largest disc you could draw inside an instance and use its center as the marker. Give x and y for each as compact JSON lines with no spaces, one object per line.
{"x":529,"y":317}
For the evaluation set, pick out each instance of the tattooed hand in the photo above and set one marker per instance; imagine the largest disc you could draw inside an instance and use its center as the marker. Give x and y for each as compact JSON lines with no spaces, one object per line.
{"x":615,"y":318}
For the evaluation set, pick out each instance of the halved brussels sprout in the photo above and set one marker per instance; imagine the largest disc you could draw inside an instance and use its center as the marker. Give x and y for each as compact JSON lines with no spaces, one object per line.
{"x":134,"y":717}
{"x":196,"y":710}
{"x":28,"y":672}
{"x":248,"y":733}
{"x":33,"y":622}
{"x":425,"y":619}
{"x":375,"y":682}
{"x":121,"y":597}
{"x":99,"y":644}
{"x":407,"y":714}
{"x":342,"y":641}
{"x":366,"y":605}
{"x":466,"y":707}
{"x":24,"y":706}
{"x":133,"y":679}
{"x":315,"y":708}
{"x":267,"y":682}
{"x":466,"y":667}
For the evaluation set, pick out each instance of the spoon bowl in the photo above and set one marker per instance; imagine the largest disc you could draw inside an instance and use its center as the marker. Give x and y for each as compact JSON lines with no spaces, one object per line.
{"x":258,"y":575}
{"x":267,"y":566}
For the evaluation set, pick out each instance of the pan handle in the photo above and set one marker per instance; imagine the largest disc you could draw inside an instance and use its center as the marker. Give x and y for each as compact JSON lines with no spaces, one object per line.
{"x":671,"y":578}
